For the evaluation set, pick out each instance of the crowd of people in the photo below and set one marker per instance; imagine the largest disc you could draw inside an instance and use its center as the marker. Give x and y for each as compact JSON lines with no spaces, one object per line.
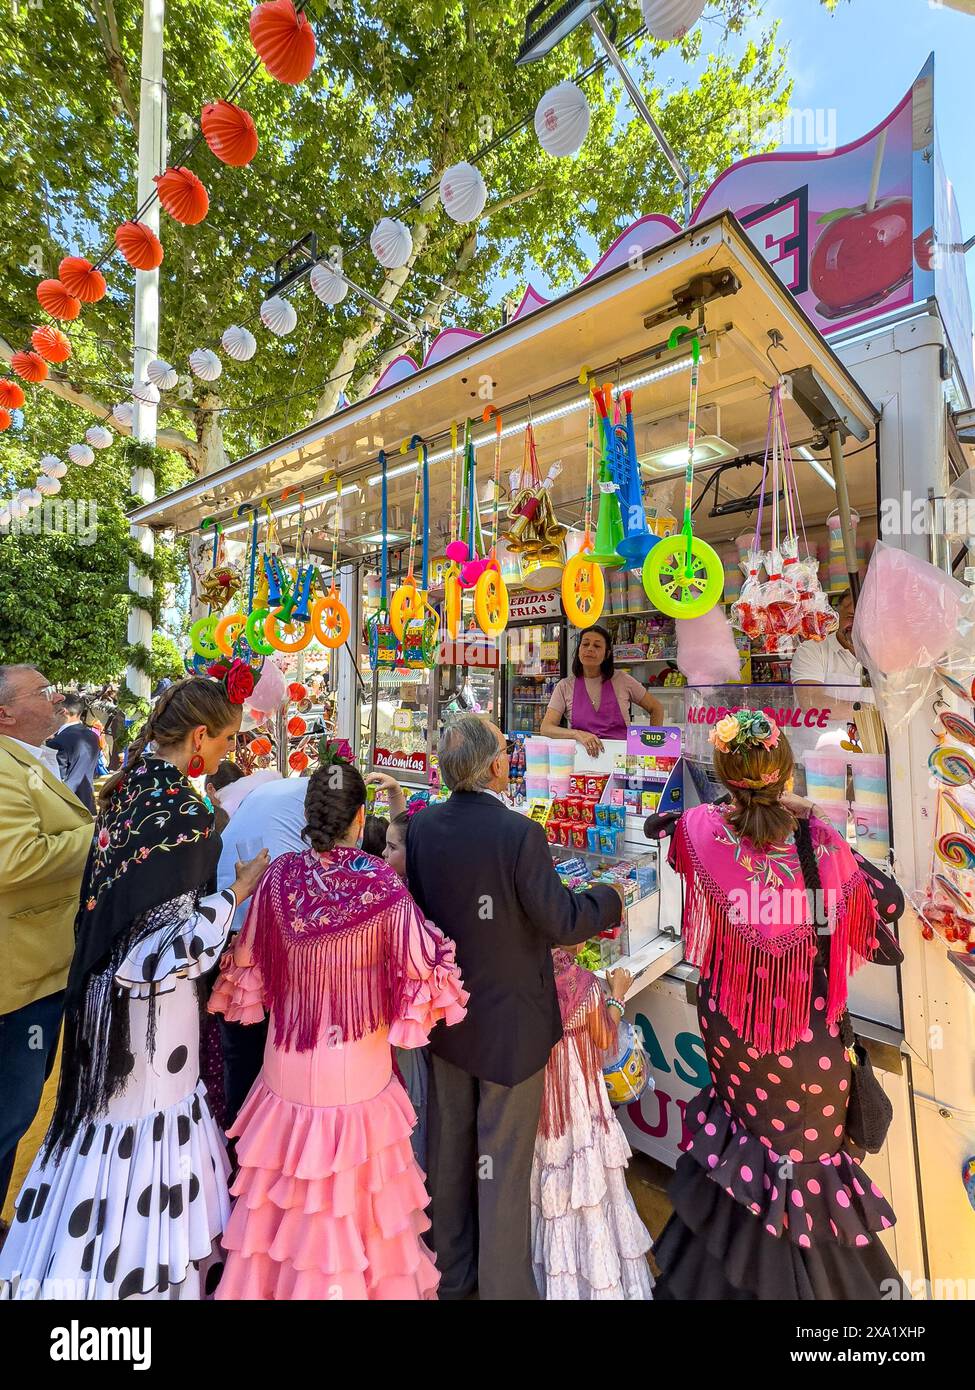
{"x":288,"y":1035}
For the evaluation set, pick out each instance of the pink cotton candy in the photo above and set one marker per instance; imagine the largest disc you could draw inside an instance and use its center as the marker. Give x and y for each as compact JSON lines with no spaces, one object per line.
{"x":706,"y":651}
{"x":272,"y":686}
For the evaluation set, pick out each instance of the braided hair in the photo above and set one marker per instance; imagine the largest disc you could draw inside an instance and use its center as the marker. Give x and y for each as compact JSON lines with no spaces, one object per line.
{"x":334,"y":796}
{"x":185,"y":706}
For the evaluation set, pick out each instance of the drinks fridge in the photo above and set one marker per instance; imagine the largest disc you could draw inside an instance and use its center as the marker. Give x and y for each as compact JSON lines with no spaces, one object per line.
{"x":534,"y":664}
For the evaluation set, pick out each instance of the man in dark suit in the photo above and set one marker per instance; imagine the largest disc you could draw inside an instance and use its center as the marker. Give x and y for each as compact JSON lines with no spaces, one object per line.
{"x":484,"y":875}
{"x":77,"y":749}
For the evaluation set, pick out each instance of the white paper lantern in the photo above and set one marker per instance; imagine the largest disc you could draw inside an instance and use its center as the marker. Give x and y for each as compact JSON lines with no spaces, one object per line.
{"x":16,"y":508}
{"x":99,"y":437}
{"x":81,"y":455}
{"x":52,"y":466}
{"x":5,"y":517}
{"x":161,"y":374}
{"x":462,"y":192}
{"x":146,"y":392}
{"x":239,"y":343}
{"x":667,"y":20}
{"x":48,"y":486}
{"x":562,"y":120}
{"x":391,"y":242}
{"x":279,"y":315}
{"x":205,"y":364}
{"x":30,"y":497}
{"x":329,"y":286}
{"x":122,"y":413}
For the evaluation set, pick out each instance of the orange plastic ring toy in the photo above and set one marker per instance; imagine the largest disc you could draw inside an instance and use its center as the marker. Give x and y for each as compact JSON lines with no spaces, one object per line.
{"x":452,"y":603}
{"x":330,"y":620}
{"x":227,"y":630}
{"x":491,"y":600}
{"x":583,"y":590}
{"x":405,"y":604}
{"x":285,"y":644}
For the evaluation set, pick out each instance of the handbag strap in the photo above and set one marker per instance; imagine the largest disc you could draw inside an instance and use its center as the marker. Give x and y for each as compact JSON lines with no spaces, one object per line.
{"x":813,"y":883}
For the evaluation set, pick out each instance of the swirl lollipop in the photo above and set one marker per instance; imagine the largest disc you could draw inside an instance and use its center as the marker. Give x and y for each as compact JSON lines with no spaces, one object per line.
{"x":957,"y":849}
{"x":952,"y":767}
{"x":958,"y":727}
{"x":954,"y":895}
{"x":963,"y":815}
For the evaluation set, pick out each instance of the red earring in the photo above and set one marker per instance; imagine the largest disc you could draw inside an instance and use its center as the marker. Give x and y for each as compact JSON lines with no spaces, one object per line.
{"x":195,"y":766}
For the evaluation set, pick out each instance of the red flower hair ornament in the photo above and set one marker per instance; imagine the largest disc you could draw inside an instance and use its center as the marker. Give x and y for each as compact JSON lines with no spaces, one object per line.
{"x":237,"y":679}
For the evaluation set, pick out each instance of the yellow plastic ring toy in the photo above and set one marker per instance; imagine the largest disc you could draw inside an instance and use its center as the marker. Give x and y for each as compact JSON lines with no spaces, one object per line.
{"x":583,"y":590}
{"x":668,"y":585}
{"x":452,"y":604}
{"x":201,"y":637}
{"x":227,"y":630}
{"x":405,"y":605}
{"x":491,"y":601}
{"x":330,"y":621}
{"x":286,"y":644}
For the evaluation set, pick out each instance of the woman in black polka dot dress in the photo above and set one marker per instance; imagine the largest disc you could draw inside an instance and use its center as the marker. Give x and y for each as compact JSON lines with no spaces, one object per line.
{"x":128,"y":1195}
{"x":770,"y":1200}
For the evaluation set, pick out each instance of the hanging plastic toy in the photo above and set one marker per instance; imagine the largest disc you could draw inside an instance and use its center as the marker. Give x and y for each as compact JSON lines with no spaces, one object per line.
{"x":583,"y":586}
{"x":535,"y":532}
{"x":456,"y":552}
{"x":421,"y":631}
{"x":491,"y":592}
{"x":382,"y":638}
{"x":407,"y":601}
{"x":471,"y":533}
{"x":682,"y":575}
{"x":609,"y":521}
{"x":203,"y":630}
{"x":329,"y":616}
{"x":288,"y":627}
{"x":624,"y":469}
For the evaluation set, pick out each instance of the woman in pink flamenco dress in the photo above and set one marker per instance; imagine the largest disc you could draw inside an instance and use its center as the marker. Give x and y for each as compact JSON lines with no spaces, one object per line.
{"x":329,"y":1198}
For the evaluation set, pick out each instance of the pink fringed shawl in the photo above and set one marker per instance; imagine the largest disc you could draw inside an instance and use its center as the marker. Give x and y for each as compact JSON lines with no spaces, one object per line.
{"x":332,"y":936}
{"x":579,"y":994}
{"x":749,"y":927}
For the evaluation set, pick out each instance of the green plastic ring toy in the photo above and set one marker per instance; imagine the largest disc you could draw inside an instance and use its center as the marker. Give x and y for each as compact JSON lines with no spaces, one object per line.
{"x":201,"y":636}
{"x":254,"y":631}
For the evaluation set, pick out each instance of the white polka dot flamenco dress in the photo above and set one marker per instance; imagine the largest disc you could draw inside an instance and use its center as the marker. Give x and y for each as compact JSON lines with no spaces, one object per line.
{"x":135,"y":1207}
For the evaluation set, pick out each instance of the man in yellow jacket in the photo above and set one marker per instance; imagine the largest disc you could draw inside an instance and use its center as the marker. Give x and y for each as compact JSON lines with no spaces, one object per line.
{"x":45,"y":836}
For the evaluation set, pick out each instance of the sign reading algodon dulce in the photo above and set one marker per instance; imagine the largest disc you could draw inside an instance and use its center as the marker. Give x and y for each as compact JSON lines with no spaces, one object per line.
{"x":785,"y":718}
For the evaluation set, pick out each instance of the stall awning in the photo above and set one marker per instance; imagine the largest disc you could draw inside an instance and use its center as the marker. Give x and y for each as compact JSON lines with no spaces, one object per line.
{"x":617,"y":327}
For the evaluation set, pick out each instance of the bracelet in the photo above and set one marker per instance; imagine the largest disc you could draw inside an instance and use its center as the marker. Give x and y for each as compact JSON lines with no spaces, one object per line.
{"x":616,"y":1004}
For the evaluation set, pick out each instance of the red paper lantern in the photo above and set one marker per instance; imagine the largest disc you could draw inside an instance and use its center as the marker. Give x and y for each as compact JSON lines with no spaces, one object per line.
{"x":260,"y":747}
{"x":297,"y":691}
{"x":139,"y":245}
{"x":182,"y":195}
{"x":284,"y":40}
{"x":297,"y":726}
{"x":6,"y":419}
{"x":298,"y":761}
{"x":11,"y":395}
{"x":230,"y":132}
{"x":51,"y":343}
{"x":30,"y":366}
{"x":80,"y":278}
{"x":55,"y":300}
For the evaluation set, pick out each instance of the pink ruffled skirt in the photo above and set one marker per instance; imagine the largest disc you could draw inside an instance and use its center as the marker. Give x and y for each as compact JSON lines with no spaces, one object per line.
{"x":330,"y":1202}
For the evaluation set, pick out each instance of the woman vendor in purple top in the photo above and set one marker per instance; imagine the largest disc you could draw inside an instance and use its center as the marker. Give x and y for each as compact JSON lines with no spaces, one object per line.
{"x":595,"y":700}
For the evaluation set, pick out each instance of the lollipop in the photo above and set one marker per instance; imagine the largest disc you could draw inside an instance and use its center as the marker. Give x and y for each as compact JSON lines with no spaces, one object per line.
{"x":955,"y":805}
{"x":954,"y":895}
{"x":957,"y":849}
{"x":958,"y":727}
{"x":951,"y":767}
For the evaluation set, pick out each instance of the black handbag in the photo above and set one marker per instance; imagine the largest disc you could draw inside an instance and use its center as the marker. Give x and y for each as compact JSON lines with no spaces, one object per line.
{"x":869,"y":1112}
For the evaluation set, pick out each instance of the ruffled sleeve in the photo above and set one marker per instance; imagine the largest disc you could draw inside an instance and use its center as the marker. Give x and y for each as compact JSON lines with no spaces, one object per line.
{"x":179,"y":942}
{"x":433,"y":991}
{"x":239,"y":992}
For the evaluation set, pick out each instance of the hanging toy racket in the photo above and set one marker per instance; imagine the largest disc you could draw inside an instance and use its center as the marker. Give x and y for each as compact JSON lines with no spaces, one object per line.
{"x":382,"y":639}
{"x":583,"y":585}
{"x":421,"y":631}
{"x":490,"y":591}
{"x":329,"y":616}
{"x":288,"y":628}
{"x":456,"y":551}
{"x":682,"y":575}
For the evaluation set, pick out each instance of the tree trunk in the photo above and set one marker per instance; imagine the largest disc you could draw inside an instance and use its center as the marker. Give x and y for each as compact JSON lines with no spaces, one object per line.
{"x":209,"y":431}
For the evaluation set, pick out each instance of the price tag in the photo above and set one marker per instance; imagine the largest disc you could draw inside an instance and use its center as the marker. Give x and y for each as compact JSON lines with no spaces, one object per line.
{"x":539,"y":811}
{"x":550,"y":651}
{"x":402,"y":720}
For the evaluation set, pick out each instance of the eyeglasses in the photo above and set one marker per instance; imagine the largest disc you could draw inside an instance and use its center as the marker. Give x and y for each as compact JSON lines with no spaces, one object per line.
{"x":48,"y":691}
{"x":509,"y":746}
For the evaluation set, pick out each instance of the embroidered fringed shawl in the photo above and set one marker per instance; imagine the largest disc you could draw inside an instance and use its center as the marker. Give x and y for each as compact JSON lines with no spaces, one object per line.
{"x":748,"y":925}
{"x":579,"y":994}
{"x":332,"y":934}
